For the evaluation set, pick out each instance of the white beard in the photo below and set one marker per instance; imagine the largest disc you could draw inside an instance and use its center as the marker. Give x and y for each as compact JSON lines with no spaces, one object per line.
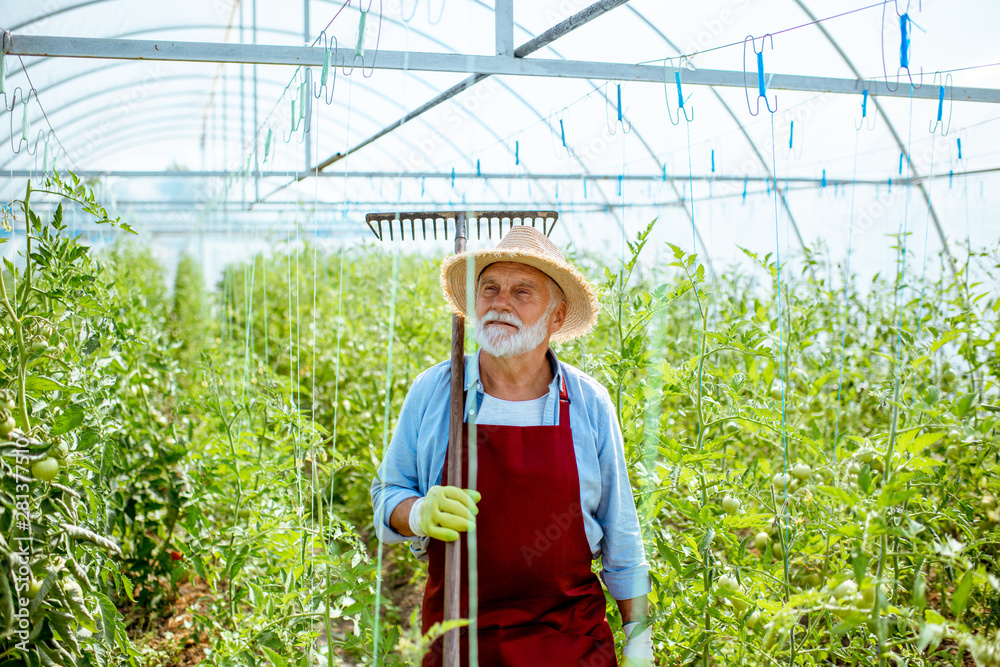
{"x":498,"y":342}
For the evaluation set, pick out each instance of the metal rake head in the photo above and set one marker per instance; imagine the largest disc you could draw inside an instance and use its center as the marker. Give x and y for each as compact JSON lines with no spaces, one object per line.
{"x":426,"y":223}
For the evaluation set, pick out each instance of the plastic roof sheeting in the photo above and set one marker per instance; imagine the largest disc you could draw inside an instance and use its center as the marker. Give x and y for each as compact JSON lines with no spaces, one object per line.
{"x":525,"y":141}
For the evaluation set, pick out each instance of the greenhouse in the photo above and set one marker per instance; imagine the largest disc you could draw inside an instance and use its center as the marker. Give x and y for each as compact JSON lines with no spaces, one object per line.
{"x":723,"y":278}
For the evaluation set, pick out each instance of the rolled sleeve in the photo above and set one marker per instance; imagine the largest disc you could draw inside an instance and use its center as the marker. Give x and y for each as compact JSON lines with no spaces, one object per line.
{"x":397,"y":477}
{"x":624,"y":568}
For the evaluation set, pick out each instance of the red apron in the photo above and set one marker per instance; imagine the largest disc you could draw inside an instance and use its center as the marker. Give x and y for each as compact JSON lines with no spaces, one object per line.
{"x":539,"y":601}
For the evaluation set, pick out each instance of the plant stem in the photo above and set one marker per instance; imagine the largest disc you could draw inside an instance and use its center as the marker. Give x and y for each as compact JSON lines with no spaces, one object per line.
{"x":22,"y":354}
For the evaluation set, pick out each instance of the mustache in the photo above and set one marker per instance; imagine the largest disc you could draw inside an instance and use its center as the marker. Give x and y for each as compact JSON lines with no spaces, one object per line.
{"x":505,"y":318}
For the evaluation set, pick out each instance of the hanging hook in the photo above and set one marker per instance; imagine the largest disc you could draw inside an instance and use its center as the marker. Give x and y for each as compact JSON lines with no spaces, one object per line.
{"x":762,"y":83}
{"x":865,"y":94}
{"x":329,"y":54}
{"x":612,"y":127}
{"x":440,"y":14}
{"x":680,"y":94}
{"x":562,"y":137}
{"x":904,"y":47}
{"x":25,"y":121}
{"x":943,"y":83}
{"x":299,"y":103}
{"x":359,"y":45}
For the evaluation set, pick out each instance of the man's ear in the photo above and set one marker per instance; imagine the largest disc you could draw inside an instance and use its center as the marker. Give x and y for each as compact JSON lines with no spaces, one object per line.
{"x":558,"y":317}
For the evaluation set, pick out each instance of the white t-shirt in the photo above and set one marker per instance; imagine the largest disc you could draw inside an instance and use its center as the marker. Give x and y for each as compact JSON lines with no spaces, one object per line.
{"x":499,"y":412}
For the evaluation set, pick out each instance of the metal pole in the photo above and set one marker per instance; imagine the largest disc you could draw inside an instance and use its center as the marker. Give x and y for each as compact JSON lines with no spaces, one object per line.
{"x":503,"y":16}
{"x":452,"y":554}
{"x":306,"y":39}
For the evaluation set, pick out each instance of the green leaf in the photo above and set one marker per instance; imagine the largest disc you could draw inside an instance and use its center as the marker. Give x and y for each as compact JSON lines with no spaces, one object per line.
{"x":39,"y":383}
{"x":111,"y":620}
{"x":275,"y":659}
{"x":962,"y":405}
{"x":70,"y":419}
{"x":961,"y":596}
{"x":706,"y":541}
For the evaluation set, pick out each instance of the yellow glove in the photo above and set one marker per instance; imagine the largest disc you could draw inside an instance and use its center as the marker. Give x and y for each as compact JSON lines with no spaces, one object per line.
{"x":444,"y":512}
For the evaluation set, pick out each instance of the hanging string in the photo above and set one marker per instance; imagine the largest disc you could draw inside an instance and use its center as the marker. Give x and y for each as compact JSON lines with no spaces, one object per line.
{"x":847,"y":279}
{"x":385,"y":445}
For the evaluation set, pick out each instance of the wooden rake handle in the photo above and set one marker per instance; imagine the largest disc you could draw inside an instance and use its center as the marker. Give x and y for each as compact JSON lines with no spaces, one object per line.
{"x":452,"y":553}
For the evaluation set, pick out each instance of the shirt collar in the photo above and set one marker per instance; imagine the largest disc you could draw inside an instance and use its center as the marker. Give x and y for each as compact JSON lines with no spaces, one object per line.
{"x":472,"y":369}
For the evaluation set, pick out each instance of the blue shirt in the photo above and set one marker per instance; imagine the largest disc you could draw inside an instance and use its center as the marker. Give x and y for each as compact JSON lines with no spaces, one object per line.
{"x":416,"y":454}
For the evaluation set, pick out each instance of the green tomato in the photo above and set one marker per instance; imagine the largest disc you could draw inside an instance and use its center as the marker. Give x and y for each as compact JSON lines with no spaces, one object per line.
{"x":60,"y":450}
{"x":7,"y":400}
{"x":868,"y":595}
{"x":778,"y":550}
{"x":987,"y":501}
{"x":846,"y":588}
{"x":45,"y":470}
{"x":7,"y":423}
{"x":802,"y":471}
{"x":761,"y":541}
{"x":865,"y":455}
{"x":811,"y":580}
{"x":780,"y":481}
{"x":33,"y":587}
{"x":731,"y":505}
{"x":739,"y":604}
{"x":753,"y":620}
{"x":726,"y":584}
{"x":954,"y":453}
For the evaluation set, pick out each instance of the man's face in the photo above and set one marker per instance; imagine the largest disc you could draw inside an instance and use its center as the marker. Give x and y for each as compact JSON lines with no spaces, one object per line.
{"x":513,"y":314}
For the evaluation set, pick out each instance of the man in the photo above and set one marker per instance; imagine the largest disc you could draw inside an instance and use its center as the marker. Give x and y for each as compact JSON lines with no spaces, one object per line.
{"x":552,"y":490}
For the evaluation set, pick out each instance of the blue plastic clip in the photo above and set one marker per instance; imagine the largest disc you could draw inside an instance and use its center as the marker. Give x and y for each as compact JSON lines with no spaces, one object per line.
{"x":822,"y":181}
{"x":791,"y":142}
{"x":745,"y":180}
{"x":713,"y":164}
{"x":761,"y":81}
{"x":479,"y":170}
{"x":585,"y":188}
{"x":517,"y":153}
{"x":681,"y":110}
{"x":626,"y":127}
{"x":960,"y":148}
{"x":905,"y":23}
{"x":328,"y":64}
{"x":665,"y":173}
{"x":901,"y":164}
{"x":942,"y":82}
{"x":620,"y":179}
{"x":452,"y":177}
{"x":904,"y":42}
{"x":951,"y":176}
{"x":864,"y":112}
{"x":890,"y":185}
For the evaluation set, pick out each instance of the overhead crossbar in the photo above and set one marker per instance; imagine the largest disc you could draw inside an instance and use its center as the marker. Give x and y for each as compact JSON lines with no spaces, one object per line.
{"x":131,"y":49}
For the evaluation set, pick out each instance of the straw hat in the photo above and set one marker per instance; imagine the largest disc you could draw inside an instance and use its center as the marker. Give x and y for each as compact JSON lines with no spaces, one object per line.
{"x":527,"y":245}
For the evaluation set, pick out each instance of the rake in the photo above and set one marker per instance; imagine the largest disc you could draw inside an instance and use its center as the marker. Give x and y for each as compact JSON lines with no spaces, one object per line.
{"x":396,"y":224}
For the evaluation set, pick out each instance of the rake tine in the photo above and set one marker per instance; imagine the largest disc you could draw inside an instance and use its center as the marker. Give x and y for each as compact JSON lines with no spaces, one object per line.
{"x":435,"y":221}
{"x":413,"y":229}
{"x":445,"y":224}
{"x":423,"y":225}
